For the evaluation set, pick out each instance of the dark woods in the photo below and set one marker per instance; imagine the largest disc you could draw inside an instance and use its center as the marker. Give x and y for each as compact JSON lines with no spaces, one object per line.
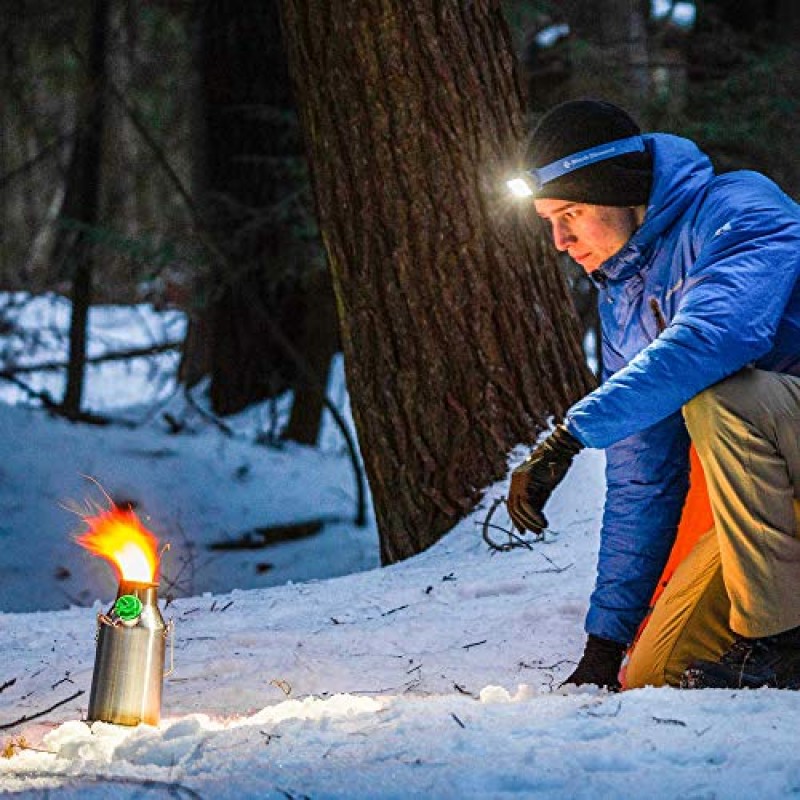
{"x":189,"y":152}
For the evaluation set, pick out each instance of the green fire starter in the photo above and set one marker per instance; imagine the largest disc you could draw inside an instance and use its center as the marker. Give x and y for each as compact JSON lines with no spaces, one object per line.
{"x":128,"y":607}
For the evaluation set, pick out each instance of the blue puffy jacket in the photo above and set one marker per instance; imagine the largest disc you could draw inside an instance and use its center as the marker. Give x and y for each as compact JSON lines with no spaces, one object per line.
{"x":717,"y":260}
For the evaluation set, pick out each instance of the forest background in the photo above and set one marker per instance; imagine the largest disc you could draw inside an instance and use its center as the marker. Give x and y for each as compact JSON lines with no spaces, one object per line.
{"x":182,"y":153}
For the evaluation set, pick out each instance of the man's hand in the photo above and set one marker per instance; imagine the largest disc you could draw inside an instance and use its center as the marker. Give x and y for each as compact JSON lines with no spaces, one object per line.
{"x":534,"y":480}
{"x":599,"y":665}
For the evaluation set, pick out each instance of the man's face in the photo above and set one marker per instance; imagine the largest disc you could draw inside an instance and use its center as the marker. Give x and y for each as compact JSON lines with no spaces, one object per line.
{"x":590,"y":234}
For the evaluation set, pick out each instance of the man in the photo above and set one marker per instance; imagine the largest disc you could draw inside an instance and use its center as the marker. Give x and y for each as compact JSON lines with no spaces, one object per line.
{"x":699,"y":295}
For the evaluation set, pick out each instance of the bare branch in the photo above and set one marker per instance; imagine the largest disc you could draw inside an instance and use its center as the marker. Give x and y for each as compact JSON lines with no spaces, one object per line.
{"x":116,"y":355}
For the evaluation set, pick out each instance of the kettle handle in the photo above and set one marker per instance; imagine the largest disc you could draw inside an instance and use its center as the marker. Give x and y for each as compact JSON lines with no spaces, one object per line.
{"x":169,"y":631}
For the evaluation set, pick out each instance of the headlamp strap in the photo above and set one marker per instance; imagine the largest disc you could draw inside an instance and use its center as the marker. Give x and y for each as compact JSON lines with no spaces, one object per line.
{"x":601,"y":152}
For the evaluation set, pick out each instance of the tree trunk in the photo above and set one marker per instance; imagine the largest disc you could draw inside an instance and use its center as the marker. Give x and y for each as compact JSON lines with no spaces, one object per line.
{"x":79,"y":212}
{"x":459,"y":336}
{"x":253,"y":193}
{"x":318,"y":346}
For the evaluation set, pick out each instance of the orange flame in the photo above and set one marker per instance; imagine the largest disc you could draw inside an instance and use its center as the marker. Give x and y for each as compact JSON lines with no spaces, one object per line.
{"x":119,"y":537}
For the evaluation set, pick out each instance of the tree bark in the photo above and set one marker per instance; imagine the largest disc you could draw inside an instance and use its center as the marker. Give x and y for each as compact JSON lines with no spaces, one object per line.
{"x":79,"y":212}
{"x":459,"y":335}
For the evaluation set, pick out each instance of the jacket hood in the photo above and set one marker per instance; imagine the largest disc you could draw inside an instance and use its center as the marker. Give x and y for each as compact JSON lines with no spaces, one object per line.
{"x":681,"y":173}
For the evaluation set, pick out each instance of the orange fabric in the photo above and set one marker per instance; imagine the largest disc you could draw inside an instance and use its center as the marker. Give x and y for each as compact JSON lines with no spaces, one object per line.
{"x":696,"y":519}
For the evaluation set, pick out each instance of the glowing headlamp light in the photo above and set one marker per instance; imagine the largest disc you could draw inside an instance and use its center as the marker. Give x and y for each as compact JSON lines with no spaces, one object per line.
{"x":532,"y":180}
{"x":520,"y":187}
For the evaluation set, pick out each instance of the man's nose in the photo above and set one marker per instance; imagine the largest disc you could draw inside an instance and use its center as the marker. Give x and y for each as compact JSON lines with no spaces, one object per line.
{"x":562,"y":236}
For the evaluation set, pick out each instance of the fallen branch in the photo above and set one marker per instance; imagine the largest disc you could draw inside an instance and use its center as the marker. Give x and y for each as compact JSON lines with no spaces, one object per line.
{"x":51,"y":405}
{"x":57,"y":409}
{"x":7,"y":684}
{"x":29,"y":717}
{"x":207,"y":415}
{"x":11,"y":374}
{"x":514,"y":539}
{"x":268,"y":535}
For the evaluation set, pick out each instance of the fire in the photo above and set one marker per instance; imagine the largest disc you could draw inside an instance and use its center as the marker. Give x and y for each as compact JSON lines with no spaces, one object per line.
{"x":119,"y":537}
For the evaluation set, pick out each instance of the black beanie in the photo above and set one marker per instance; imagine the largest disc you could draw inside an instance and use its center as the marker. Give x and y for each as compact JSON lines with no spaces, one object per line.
{"x":578,"y":125}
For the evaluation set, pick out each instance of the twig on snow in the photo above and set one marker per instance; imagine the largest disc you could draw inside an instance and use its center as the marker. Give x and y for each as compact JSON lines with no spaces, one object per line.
{"x":613,"y":713}
{"x":555,"y":567}
{"x":29,"y":717}
{"x":394,"y":610}
{"x":525,"y":665}
{"x":282,"y":684}
{"x":667,"y":721}
{"x":65,"y":679}
{"x":290,"y":796}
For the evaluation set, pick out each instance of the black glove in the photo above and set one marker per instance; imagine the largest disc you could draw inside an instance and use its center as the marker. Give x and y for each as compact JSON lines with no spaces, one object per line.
{"x":533,"y":481}
{"x":599,"y":664}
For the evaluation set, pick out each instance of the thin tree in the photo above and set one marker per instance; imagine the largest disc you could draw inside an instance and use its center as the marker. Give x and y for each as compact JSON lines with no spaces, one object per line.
{"x":459,"y":336}
{"x":72,"y":250}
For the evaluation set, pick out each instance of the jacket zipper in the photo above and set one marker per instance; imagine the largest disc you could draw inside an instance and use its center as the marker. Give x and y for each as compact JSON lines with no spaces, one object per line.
{"x":661,"y":322}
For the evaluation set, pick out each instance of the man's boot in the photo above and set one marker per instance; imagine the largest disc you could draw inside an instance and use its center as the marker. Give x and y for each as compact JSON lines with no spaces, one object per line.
{"x":772,"y":661}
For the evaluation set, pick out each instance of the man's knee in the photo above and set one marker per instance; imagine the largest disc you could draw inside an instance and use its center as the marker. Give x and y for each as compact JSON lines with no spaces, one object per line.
{"x":736,"y":397}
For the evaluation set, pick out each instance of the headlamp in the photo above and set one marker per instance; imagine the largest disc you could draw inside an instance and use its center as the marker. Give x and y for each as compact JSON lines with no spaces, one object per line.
{"x":520,"y":187}
{"x":531,"y":181}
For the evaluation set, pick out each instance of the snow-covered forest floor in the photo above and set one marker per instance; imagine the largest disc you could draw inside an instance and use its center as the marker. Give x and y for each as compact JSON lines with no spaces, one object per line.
{"x":437,"y":677}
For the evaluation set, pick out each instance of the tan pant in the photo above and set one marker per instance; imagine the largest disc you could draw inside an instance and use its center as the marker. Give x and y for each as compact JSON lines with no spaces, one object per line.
{"x":743,"y":576}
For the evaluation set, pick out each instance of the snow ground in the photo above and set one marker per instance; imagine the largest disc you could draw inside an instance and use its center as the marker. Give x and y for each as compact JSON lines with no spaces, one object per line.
{"x":434,"y":678}
{"x":193,"y":489}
